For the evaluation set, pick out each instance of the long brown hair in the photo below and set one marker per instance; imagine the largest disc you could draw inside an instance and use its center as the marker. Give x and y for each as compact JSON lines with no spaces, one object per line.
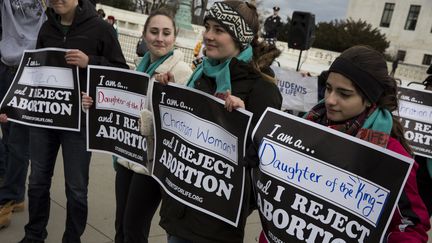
{"x":373,"y":62}
{"x":263,"y":54}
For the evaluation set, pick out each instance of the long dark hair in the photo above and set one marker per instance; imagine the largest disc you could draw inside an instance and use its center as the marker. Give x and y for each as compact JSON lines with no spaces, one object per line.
{"x":373,"y":62}
{"x":263,"y":54}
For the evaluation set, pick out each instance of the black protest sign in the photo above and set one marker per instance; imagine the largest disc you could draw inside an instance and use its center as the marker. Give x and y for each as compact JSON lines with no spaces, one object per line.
{"x":415,"y":113}
{"x":112,"y":122}
{"x":315,"y":184}
{"x":198,"y":150}
{"x":45,"y":91}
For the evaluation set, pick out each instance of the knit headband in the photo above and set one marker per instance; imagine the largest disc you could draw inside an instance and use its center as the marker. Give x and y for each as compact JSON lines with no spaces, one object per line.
{"x":367,"y":83}
{"x":232,"y":22}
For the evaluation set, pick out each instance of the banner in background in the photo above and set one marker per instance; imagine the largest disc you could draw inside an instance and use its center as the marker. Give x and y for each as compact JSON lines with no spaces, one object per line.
{"x":112,"y":122}
{"x":45,"y":91}
{"x":199,"y":149}
{"x":415,"y":114}
{"x":315,"y":184}
{"x":299,"y":93}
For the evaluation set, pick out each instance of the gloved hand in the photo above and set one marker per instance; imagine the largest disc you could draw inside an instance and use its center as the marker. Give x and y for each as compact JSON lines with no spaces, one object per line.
{"x":146,"y":127}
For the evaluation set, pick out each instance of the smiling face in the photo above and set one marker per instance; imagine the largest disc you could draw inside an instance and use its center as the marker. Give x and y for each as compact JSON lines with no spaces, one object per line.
{"x":218,"y":42}
{"x":159,"y":36}
{"x":342,"y":100}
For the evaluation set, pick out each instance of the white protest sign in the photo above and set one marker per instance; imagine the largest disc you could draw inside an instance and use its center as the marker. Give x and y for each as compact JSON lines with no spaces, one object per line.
{"x":299,"y":93}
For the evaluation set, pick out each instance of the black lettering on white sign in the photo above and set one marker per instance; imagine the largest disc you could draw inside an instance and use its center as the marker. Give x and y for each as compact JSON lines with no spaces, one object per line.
{"x":415,"y":114}
{"x":199,"y":148}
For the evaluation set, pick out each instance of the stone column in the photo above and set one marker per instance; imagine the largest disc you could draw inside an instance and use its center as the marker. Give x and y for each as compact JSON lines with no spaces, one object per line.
{"x":183,"y":19}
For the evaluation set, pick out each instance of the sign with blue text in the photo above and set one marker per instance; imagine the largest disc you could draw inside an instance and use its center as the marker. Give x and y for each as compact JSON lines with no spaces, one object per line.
{"x":112,"y":122}
{"x":315,"y":184}
{"x":415,"y":113}
{"x":199,"y":148}
{"x":45,"y":91}
{"x":299,"y":93}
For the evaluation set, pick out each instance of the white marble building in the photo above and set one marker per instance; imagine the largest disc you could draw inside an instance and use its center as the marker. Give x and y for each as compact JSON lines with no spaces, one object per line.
{"x":130,"y":26}
{"x":407,"y":24}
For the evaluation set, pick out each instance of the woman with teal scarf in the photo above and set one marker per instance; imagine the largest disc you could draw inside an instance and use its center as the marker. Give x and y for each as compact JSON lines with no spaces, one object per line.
{"x":231,"y":70}
{"x":137,"y":193}
{"x":359,"y":99}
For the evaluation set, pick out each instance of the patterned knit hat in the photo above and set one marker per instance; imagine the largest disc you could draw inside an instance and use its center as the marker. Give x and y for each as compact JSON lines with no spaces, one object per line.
{"x":232,"y":22}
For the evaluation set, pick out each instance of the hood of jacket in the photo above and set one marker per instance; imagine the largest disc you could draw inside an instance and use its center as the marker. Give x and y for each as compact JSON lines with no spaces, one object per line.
{"x":169,"y":63}
{"x":175,"y":65}
{"x":83,"y":12}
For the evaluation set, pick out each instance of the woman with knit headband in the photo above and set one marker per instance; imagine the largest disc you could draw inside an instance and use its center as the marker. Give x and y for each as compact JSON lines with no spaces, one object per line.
{"x":359,"y":99}
{"x":231,"y":71}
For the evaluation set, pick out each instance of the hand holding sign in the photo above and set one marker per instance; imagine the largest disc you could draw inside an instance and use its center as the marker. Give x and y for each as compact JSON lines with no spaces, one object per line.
{"x":86,"y":101}
{"x":165,"y":78}
{"x":3,"y":118}
{"x":77,"y":58}
{"x":307,"y":183}
{"x":45,"y":91}
{"x":231,"y":102}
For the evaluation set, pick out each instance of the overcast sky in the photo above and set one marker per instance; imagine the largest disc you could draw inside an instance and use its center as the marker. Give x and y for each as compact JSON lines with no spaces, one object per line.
{"x":324,"y":10}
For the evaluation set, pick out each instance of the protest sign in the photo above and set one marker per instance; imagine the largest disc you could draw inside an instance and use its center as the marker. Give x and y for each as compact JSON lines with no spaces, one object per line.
{"x":112,"y":122}
{"x":45,"y":91}
{"x":299,"y":93}
{"x":198,"y":150}
{"x":315,"y":184}
{"x":415,"y":113}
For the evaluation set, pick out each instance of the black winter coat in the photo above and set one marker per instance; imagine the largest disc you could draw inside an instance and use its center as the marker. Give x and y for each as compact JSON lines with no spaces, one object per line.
{"x":272,"y":25}
{"x":188,"y":223}
{"x":88,"y":33}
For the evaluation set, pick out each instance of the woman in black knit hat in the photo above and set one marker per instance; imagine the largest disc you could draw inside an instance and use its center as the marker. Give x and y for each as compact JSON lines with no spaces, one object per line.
{"x":359,"y":100}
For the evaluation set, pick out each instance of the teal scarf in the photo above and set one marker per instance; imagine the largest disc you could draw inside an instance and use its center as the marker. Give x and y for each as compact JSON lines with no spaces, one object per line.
{"x":220,"y":71}
{"x":380,"y":120}
{"x":373,"y":125}
{"x":149,"y":68}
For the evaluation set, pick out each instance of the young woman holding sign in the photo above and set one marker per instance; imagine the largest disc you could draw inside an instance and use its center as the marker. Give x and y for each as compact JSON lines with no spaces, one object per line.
{"x":359,"y":99}
{"x":231,"y":71}
{"x":137,"y":193}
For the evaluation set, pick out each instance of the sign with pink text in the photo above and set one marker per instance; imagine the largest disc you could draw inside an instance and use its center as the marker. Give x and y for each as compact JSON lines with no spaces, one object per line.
{"x":112,"y":121}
